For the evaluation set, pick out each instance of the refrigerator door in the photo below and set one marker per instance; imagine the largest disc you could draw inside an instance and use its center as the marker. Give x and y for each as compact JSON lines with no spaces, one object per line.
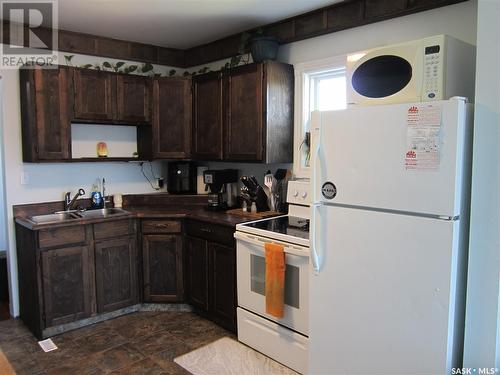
{"x":364,"y":155}
{"x":381,"y":303}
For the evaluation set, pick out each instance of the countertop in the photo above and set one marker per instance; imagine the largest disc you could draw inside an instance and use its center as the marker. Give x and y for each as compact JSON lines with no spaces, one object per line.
{"x":148,"y":212}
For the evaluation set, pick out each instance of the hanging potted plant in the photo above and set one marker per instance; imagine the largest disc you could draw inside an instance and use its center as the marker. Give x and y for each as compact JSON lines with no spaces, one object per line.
{"x":263,"y":47}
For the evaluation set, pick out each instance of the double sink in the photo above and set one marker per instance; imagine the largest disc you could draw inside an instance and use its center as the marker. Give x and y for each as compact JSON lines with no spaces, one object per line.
{"x":65,"y":216}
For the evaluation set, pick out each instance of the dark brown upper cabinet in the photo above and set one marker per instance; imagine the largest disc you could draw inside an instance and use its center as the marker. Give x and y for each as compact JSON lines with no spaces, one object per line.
{"x":172,"y":108}
{"x":249,"y":108}
{"x":94,"y":95}
{"x":133,"y":98}
{"x":244,"y":120}
{"x":106,"y":97}
{"x":46,"y":110}
{"x":207,"y":116}
{"x":259,"y":113}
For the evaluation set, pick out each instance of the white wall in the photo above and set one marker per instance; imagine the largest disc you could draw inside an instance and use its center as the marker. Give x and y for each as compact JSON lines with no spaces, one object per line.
{"x":482,"y":343}
{"x":48,"y":182}
{"x":3,"y":213}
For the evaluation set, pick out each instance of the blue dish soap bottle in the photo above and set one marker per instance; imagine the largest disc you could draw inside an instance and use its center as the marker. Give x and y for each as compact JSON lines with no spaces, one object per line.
{"x":96,"y":197}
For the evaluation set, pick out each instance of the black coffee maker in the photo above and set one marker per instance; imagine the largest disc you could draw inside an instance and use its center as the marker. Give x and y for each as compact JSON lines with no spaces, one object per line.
{"x":181,"y":177}
{"x":220,"y":185}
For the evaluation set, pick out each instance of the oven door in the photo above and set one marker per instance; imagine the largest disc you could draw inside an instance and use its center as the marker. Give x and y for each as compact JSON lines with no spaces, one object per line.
{"x":251,"y":275}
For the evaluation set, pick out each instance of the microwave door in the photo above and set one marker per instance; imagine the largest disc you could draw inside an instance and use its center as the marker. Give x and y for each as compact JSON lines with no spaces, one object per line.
{"x":382,"y":76}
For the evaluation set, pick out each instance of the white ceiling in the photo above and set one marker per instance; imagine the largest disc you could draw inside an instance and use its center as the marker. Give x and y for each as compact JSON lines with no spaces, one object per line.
{"x":176,"y":23}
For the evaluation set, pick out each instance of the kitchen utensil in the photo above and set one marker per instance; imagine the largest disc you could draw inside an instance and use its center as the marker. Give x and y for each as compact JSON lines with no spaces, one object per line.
{"x":270,"y":183}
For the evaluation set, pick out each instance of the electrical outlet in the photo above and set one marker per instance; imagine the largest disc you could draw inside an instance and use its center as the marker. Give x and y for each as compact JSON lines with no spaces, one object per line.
{"x":25,"y":178}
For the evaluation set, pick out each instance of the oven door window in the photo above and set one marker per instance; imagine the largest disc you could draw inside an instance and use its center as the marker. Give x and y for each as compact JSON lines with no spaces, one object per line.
{"x":258,"y":280}
{"x":381,"y":76}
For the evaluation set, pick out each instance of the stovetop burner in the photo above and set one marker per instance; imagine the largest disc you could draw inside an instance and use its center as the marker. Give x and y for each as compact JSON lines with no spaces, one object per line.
{"x":290,"y":225}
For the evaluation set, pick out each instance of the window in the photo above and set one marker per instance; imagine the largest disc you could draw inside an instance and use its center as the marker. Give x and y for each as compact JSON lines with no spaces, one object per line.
{"x":320,"y":86}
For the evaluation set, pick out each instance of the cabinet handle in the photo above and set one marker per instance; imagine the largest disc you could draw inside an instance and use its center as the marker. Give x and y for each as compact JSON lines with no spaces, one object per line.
{"x":206,"y":230}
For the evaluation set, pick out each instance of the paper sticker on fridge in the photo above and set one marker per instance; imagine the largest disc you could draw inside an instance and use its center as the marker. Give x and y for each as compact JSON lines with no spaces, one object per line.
{"x":423,"y":137}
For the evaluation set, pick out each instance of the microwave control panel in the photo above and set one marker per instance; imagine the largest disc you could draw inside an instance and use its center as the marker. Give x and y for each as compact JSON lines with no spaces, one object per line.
{"x":433,"y":63}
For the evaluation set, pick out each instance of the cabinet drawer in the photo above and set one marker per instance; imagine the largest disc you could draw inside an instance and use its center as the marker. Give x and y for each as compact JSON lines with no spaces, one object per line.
{"x":62,"y":236}
{"x":216,"y":233}
{"x":113,"y":229}
{"x":161,"y":226}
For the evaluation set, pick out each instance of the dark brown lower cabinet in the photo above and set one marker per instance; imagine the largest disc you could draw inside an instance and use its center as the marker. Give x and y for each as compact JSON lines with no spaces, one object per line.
{"x":162,"y":268}
{"x":197,"y":271}
{"x":222,"y":284}
{"x":210,"y":273}
{"x":116,"y":273}
{"x":67,"y":284}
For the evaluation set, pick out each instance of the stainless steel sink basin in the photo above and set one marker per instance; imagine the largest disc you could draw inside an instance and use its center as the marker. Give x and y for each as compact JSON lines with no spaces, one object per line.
{"x":54,"y":218}
{"x":102,"y":213}
{"x":60,"y":217}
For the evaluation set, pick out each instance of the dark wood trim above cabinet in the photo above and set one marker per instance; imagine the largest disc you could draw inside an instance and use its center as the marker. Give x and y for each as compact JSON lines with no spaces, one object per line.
{"x":339,"y":16}
{"x":336,"y":17}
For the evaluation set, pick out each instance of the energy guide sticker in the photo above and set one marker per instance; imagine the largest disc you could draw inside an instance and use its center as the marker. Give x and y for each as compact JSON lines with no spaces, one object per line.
{"x":423,"y":137}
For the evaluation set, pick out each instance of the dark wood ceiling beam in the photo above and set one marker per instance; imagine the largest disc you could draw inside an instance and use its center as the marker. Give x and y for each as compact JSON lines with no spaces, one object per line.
{"x":336,"y":17}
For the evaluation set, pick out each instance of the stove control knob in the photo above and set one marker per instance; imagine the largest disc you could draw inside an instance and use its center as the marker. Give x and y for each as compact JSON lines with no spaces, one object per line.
{"x":304,"y":194}
{"x":296,"y":193}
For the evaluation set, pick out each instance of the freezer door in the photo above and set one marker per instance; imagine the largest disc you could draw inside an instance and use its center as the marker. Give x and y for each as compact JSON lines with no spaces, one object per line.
{"x":362,"y":152}
{"x":384,"y":299}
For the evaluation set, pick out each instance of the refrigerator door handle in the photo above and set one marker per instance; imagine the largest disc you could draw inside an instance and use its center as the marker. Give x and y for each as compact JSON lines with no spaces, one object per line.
{"x":316,"y":156}
{"x":315,"y":249}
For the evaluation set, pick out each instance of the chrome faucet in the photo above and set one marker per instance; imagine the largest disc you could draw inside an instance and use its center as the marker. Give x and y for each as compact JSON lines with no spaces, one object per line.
{"x":68,"y":202}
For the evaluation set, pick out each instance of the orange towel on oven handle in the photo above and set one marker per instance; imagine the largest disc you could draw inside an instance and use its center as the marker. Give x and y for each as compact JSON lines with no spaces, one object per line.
{"x":275,"y":279}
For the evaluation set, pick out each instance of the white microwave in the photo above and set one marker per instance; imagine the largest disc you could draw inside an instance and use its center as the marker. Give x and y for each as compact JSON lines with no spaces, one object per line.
{"x":434,"y":68}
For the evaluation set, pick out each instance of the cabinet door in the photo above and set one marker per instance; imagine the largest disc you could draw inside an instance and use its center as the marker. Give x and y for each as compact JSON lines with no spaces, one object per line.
{"x":66,"y":284}
{"x":162,"y":262}
{"x":207,"y":121}
{"x":222,"y":284}
{"x":46,"y":113}
{"x":244,"y":115}
{"x":95,"y":96}
{"x":197,"y":271}
{"x":172,"y":107}
{"x":133,"y":98}
{"x":116,"y":273}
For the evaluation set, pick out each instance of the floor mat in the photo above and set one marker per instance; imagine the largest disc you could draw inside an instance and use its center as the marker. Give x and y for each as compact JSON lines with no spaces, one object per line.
{"x":227,"y":357}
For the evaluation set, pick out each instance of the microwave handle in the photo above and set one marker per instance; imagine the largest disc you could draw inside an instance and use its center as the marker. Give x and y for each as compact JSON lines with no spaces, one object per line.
{"x":261,"y":243}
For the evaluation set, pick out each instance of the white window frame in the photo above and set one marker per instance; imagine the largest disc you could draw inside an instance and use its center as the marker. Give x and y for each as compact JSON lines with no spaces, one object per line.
{"x":304,"y":72}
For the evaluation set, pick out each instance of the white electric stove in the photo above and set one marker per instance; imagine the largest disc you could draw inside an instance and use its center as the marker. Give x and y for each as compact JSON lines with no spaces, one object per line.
{"x":285,"y":339}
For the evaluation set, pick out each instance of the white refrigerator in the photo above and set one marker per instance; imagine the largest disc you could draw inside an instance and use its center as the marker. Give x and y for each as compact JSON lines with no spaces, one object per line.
{"x":389,"y":237}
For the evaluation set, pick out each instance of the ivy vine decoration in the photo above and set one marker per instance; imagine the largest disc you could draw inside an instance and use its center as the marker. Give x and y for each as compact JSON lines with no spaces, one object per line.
{"x":119,"y":67}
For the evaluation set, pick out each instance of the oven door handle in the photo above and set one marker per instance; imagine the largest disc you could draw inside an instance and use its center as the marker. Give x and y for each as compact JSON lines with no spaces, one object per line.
{"x":289,"y":249}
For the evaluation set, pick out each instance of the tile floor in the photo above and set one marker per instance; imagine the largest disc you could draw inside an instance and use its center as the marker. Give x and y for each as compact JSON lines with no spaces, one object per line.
{"x":138,"y":343}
